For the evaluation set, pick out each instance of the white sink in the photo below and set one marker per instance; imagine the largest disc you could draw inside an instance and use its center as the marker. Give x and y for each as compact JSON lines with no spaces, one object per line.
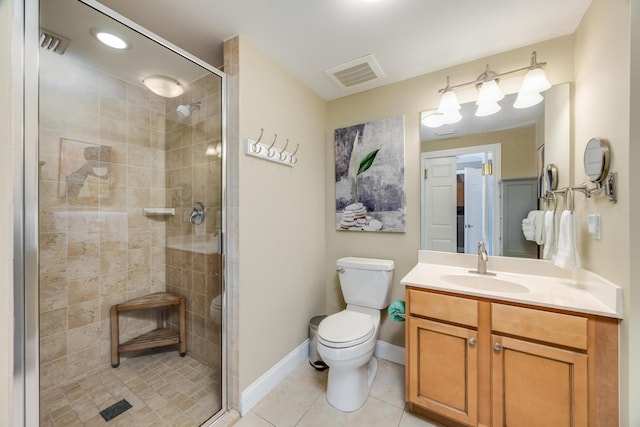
{"x":532,"y":282}
{"x":484,"y":282}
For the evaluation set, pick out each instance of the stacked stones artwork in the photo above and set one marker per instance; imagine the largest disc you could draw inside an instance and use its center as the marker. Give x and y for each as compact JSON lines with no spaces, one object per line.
{"x":369,"y":173}
{"x":355,"y":217}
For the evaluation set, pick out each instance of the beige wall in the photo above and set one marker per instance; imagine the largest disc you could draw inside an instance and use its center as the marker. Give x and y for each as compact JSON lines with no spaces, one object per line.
{"x":8,"y":106}
{"x":409,"y":98}
{"x":282,"y":211}
{"x":518,"y":149}
{"x":602,"y":109}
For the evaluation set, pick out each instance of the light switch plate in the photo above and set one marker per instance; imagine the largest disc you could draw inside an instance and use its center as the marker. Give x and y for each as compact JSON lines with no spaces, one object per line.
{"x":594,"y":226}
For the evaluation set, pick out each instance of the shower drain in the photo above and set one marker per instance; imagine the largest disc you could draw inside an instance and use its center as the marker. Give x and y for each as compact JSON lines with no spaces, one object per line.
{"x":114,"y":410}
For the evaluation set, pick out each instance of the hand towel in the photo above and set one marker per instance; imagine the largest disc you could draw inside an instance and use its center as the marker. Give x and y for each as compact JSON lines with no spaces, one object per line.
{"x":549,"y":234}
{"x":567,"y":256}
{"x":532,"y":227}
{"x":396,"y":309}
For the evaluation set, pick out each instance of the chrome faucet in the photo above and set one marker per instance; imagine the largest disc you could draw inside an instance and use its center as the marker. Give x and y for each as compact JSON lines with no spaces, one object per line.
{"x":482,"y":258}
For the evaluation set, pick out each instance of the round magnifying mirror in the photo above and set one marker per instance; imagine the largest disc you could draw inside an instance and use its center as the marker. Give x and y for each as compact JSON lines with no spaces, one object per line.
{"x":596,"y":159}
{"x":551,"y":177}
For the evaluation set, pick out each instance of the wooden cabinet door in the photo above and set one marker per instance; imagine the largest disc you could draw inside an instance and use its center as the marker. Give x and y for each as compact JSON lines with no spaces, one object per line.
{"x":443,"y":367}
{"x":537,"y":385}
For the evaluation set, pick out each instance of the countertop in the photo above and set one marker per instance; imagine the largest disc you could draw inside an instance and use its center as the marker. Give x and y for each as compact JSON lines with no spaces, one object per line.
{"x":535,"y":282}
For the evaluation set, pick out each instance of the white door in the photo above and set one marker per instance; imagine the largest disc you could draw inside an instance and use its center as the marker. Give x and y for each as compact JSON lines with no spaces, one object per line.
{"x":440,"y":196}
{"x":473,"y":209}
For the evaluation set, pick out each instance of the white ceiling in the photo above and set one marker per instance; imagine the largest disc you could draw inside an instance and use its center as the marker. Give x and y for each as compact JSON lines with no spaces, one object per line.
{"x":306,"y":37}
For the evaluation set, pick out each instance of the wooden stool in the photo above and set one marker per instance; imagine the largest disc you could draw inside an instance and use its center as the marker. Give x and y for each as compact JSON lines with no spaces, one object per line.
{"x":158,"y":337}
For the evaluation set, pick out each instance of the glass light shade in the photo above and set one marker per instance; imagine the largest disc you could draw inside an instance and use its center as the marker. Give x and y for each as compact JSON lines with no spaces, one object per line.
{"x":452,"y":117}
{"x":490,"y":93}
{"x":448,"y":102}
{"x":535,"y":81}
{"x":527,"y":99}
{"x":487,"y":109}
{"x":163,"y":86}
{"x":432,"y":119}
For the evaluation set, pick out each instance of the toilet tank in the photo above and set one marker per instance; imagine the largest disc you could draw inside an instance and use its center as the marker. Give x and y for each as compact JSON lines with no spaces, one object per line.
{"x":366,"y":281}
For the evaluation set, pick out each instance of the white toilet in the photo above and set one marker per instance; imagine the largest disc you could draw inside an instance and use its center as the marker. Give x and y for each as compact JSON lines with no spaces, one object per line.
{"x":346,"y":340}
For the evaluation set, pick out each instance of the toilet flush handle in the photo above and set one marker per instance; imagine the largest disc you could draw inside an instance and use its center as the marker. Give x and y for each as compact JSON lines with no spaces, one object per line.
{"x":340,"y":270}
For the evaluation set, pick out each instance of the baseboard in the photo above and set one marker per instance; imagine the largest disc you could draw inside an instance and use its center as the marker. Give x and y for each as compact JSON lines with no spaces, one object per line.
{"x":270,"y":379}
{"x":392,"y":353}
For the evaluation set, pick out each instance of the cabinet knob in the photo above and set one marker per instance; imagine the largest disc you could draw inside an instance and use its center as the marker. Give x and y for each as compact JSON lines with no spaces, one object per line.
{"x":472,"y":341}
{"x":497,"y":346}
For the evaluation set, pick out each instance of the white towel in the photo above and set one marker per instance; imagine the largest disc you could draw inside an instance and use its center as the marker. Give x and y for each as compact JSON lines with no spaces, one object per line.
{"x":567,"y":256}
{"x":549,"y":234}
{"x":533,"y":227}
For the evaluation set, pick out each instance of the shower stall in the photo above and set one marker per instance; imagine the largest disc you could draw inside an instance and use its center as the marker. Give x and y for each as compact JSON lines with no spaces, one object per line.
{"x":130,"y":210}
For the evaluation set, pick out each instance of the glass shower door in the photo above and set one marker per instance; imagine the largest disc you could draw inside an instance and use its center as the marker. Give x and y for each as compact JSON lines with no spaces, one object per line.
{"x":130,"y":210}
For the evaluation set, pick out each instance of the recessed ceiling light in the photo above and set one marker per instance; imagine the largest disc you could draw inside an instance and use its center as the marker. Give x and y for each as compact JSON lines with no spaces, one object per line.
{"x":109,"y":39}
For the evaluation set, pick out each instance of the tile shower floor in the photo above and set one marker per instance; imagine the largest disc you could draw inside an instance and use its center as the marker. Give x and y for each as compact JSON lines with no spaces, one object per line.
{"x":167,"y":390}
{"x":163,"y":388}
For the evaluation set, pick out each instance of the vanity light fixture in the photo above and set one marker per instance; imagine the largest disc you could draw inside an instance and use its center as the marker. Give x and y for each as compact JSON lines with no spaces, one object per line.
{"x":164,"y":86}
{"x":490,"y":94}
{"x":448,"y":111}
{"x":535,"y":81}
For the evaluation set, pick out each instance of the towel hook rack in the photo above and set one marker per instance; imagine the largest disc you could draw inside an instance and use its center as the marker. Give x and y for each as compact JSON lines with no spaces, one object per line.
{"x":282,"y":154}
{"x":294,"y":159}
{"x":270,"y":152}
{"x":254,"y":147}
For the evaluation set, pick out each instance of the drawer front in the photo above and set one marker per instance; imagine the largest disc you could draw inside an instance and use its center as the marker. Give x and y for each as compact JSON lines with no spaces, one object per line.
{"x":555,"y":328}
{"x":452,"y":309}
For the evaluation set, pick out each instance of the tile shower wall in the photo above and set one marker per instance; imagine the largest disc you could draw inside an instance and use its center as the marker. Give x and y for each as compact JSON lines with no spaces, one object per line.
{"x":193,"y":175}
{"x":96,"y":247}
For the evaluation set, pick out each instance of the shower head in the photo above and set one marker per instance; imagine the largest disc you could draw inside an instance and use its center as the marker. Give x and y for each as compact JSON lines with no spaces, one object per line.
{"x":184,"y":111}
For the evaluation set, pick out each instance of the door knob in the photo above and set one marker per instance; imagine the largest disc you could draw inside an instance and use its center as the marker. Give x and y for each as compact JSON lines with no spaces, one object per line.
{"x":472,"y":341}
{"x":497,"y":346}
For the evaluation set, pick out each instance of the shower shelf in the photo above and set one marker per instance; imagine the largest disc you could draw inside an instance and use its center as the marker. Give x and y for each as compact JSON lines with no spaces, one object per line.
{"x":159,"y":337}
{"x":158,"y":211}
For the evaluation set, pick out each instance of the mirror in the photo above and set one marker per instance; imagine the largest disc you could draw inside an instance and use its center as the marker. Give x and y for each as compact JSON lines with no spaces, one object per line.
{"x":551,"y":177}
{"x":513,"y":146}
{"x":596,"y":160}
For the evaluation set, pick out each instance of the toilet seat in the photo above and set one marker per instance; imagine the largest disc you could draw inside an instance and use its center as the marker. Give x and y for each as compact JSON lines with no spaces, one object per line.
{"x":345,"y":329}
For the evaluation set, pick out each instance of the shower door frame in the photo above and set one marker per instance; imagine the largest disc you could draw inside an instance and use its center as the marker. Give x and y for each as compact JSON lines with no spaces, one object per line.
{"x":26,"y":369}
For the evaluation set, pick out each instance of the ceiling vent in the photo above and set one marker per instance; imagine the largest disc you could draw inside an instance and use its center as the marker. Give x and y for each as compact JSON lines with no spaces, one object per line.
{"x":53,"y":42}
{"x":358,"y":71}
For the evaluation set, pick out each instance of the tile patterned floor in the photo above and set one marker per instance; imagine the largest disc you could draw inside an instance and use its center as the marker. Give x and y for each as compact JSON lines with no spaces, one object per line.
{"x":300,"y":401}
{"x":163,"y":388}
{"x":166,"y":390}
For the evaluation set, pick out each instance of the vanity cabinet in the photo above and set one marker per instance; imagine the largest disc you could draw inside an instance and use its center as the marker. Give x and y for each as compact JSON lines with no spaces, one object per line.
{"x":479,"y":362}
{"x":443,"y":355}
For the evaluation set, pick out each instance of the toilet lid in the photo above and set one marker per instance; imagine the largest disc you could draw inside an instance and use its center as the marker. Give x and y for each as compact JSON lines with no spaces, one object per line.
{"x":345,"y":329}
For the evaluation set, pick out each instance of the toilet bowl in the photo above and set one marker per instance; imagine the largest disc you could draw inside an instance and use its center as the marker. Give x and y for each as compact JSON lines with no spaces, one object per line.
{"x":346,"y":340}
{"x":346,"y":344}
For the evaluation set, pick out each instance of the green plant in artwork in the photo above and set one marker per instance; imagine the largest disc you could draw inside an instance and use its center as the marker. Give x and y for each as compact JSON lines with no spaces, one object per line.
{"x":365,"y":164}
